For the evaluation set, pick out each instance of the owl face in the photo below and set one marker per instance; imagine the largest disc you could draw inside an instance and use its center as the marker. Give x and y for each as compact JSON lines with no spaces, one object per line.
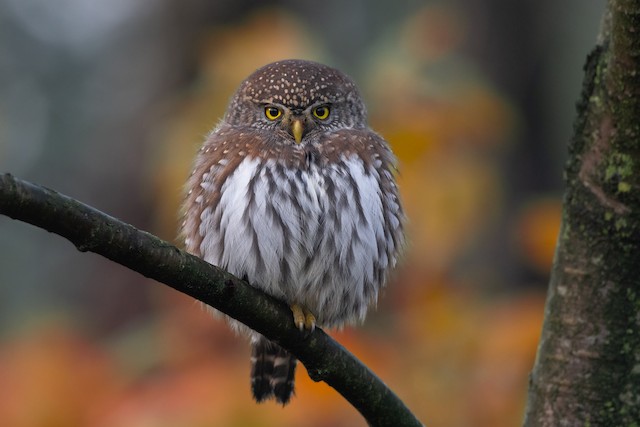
{"x":297,"y":101}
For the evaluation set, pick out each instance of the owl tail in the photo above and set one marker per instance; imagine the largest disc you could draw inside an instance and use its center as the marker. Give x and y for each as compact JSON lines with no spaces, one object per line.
{"x":272,"y":371}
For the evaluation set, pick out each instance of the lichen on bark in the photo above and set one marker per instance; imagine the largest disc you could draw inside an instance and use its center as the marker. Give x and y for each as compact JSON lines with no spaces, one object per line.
{"x":587,"y":369}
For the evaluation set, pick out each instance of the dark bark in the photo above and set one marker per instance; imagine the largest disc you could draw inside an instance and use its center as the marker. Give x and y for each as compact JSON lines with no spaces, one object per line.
{"x":587,"y":371}
{"x":91,"y":230}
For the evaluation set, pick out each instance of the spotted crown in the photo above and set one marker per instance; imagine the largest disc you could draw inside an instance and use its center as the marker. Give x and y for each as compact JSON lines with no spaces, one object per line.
{"x":297,"y":84}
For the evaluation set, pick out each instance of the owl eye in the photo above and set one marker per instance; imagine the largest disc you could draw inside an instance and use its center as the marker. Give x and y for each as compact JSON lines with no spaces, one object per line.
{"x":272,"y":113}
{"x":321,"y":112}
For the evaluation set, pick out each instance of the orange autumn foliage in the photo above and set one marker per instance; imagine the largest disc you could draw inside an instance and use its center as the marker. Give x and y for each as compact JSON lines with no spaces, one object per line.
{"x":455,"y":355}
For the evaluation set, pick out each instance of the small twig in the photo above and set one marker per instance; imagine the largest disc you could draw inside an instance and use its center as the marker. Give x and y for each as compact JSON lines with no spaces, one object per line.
{"x":91,"y":230}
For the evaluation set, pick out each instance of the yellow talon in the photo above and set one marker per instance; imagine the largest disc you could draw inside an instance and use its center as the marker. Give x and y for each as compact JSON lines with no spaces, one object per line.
{"x":303,"y":318}
{"x":298,"y":316}
{"x":310,"y":321}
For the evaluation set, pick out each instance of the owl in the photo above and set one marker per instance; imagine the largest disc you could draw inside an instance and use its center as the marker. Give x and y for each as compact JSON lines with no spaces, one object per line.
{"x":294,"y":193}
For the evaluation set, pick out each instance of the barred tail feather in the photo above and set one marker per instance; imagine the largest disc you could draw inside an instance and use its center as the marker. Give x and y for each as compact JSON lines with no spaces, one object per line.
{"x":272,"y":371}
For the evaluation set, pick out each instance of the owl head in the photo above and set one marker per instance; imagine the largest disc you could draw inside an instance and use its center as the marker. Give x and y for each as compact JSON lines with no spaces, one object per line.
{"x":297,"y":100}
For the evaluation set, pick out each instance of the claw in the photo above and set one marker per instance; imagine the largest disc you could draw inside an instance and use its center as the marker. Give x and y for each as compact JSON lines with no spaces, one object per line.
{"x":298,"y":316}
{"x":303,"y":318}
{"x":310,"y":321}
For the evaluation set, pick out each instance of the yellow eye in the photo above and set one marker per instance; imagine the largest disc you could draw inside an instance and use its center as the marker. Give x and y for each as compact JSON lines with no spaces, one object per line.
{"x":321,"y":112}
{"x":272,"y":113}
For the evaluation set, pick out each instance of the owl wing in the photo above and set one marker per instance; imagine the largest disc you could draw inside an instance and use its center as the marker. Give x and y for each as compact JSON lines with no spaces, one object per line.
{"x":372,"y":153}
{"x":217,"y":159}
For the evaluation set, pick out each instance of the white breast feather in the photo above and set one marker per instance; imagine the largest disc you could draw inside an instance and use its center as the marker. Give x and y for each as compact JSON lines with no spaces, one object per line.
{"x":331,"y":265}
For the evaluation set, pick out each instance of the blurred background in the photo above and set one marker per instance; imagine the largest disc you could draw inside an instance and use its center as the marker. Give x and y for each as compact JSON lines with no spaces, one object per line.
{"x":108,"y":101}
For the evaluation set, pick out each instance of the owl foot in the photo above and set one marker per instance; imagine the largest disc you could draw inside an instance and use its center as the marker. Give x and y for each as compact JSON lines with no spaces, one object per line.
{"x":303,"y":318}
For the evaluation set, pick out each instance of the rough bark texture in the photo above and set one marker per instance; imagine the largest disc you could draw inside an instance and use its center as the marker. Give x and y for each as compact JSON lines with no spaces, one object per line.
{"x":587,"y":371}
{"x":91,"y":230}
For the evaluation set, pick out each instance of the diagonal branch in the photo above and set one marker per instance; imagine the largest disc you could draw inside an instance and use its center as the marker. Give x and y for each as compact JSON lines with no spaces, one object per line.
{"x":91,"y":230}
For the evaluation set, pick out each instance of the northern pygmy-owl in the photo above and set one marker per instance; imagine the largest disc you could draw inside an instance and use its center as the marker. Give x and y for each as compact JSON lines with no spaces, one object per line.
{"x":293,"y":192}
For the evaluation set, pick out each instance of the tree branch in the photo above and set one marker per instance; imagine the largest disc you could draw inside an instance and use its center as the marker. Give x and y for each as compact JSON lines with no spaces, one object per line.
{"x":91,"y":230}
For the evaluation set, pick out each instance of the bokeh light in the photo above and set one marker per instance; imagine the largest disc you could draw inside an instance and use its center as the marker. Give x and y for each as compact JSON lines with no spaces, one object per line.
{"x":109,"y":101}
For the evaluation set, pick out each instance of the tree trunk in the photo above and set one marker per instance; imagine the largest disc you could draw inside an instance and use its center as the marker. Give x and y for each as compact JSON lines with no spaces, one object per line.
{"x":587,"y":370}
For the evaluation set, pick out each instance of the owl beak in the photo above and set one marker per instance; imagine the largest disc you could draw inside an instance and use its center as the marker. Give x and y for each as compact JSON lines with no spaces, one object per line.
{"x":297,"y":128}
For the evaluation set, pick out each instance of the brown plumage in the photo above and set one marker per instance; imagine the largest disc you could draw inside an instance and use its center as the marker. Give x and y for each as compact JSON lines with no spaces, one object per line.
{"x":293,"y":192}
